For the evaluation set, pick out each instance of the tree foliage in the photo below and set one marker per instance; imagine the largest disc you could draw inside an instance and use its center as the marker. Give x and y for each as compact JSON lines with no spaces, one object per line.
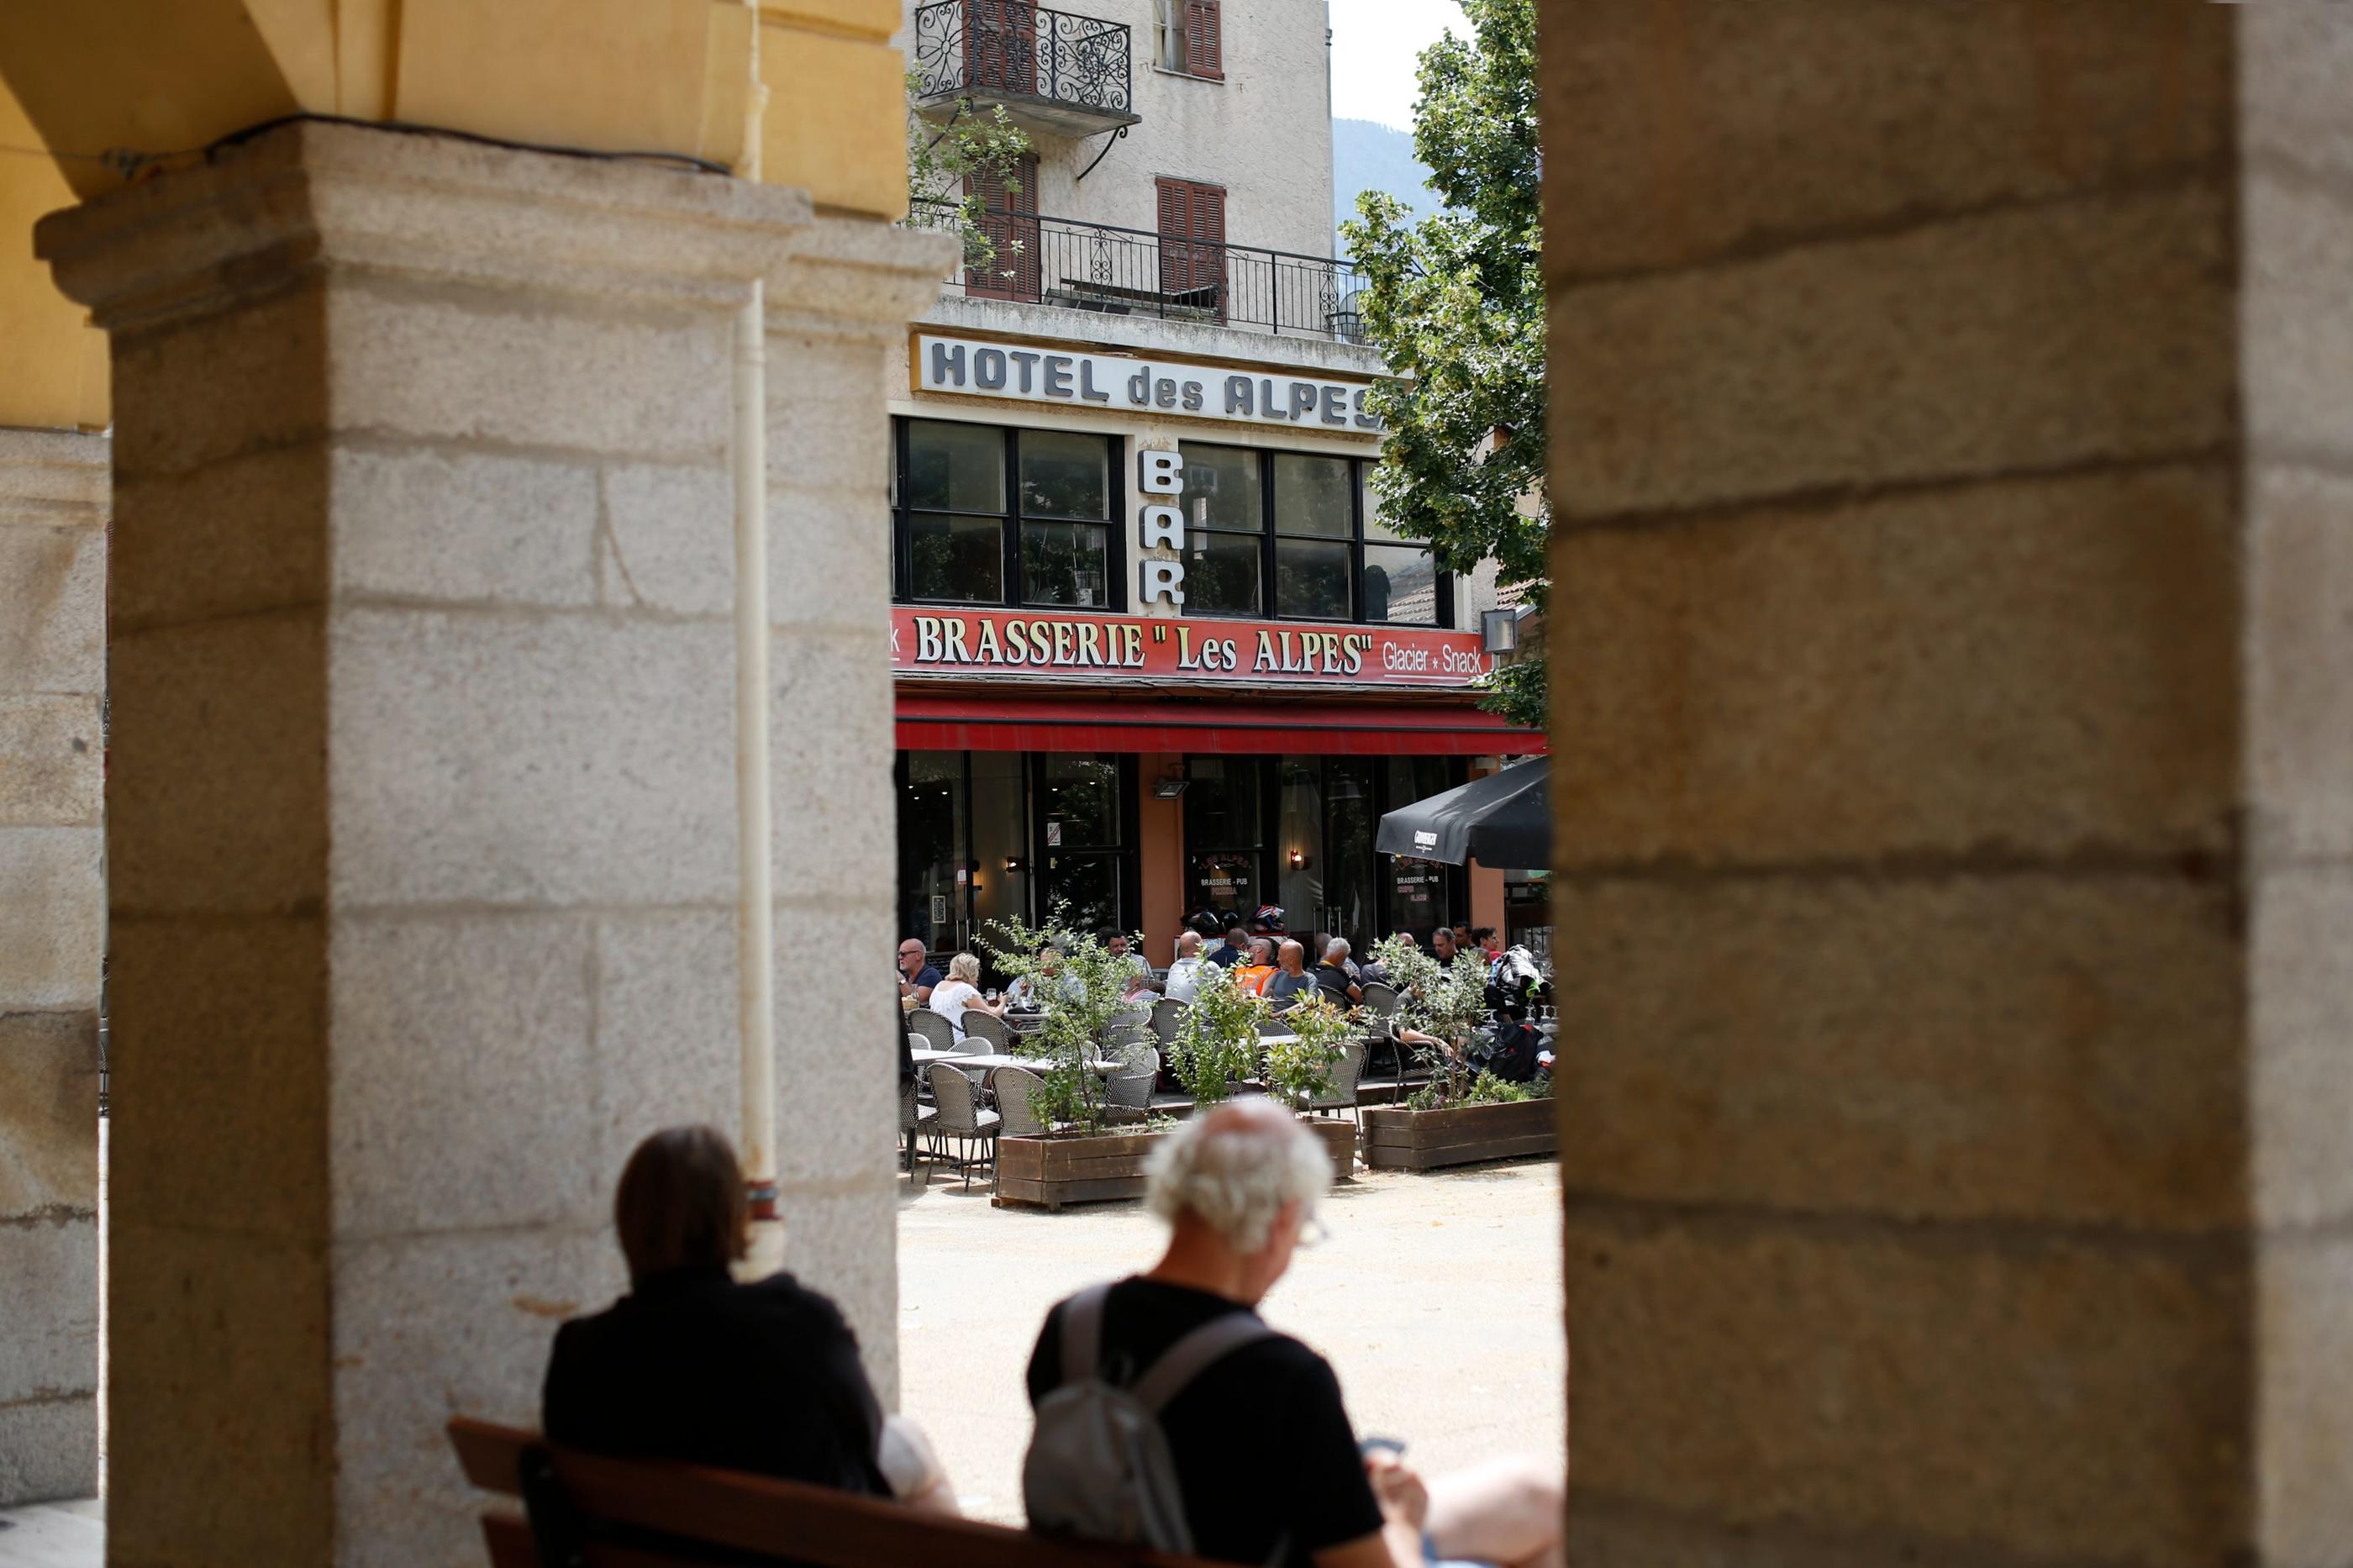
{"x":947,"y":163}
{"x":1080,"y":998}
{"x":1456,"y":305}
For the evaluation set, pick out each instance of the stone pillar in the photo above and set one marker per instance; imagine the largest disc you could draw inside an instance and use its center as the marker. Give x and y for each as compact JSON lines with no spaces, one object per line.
{"x":52,"y":941}
{"x":1956,"y":846}
{"x":833,"y":320}
{"x":422,"y":828}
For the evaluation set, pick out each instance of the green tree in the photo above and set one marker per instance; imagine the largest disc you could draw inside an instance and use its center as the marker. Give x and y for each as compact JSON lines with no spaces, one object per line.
{"x":1456,"y":305}
{"x":949,"y":161}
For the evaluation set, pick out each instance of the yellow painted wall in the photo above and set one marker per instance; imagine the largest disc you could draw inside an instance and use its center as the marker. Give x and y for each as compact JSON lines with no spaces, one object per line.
{"x":170,"y":76}
{"x":52,"y":363}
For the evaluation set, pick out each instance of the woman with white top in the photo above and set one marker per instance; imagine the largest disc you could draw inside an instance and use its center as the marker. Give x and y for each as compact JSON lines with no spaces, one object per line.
{"x":960,"y":993}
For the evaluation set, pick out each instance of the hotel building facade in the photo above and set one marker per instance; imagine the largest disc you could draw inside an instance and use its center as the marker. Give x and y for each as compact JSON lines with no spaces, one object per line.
{"x":1154,"y":650}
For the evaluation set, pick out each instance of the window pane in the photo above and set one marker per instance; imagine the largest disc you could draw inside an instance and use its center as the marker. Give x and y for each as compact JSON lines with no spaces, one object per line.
{"x":1081,"y":803}
{"x":1220,"y":574}
{"x":1400,"y":586}
{"x":1065,"y":476}
{"x":957,"y":467}
{"x":931,"y":849}
{"x":1310,"y":579}
{"x":1375,"y":525}
{"x":1221,"y":803}
{"x":1220,"y":488}
{"x":1065,"y":564}
{"x":960,"y":558}
{"x":1311,"y":495}
{"x":1299,"y":861}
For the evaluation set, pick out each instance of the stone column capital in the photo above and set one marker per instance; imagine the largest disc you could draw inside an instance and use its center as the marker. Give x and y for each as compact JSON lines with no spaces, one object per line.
{"x":312,"y":196}
{"x":856,"y":277}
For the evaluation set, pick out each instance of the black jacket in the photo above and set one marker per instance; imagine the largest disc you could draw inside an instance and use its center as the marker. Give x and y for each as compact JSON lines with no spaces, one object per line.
{"x":691,"y":1365}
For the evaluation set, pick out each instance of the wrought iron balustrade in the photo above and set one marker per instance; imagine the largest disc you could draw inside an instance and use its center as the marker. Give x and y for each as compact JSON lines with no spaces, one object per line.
{"x":1006,"y":49}
{"x":1131,"y":271}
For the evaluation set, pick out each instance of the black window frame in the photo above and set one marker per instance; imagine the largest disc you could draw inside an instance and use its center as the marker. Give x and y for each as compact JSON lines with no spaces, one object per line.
{"x":1269,"y":607}
{"x":1010,"y":521}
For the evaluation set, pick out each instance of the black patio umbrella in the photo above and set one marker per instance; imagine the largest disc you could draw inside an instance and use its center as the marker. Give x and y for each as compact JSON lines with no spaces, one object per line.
{"x":1502,"y":821}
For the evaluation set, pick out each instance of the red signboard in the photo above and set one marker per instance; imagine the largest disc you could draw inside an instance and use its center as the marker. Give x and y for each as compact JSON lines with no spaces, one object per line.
{"x":1034,"y":644}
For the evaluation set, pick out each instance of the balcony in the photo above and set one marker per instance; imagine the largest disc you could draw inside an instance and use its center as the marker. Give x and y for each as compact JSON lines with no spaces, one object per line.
{"x":1135,"y":272}
{"x":1052,"y":73}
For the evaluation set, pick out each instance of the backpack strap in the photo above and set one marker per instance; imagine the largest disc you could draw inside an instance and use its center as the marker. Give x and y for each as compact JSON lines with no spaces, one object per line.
{"x":1181,"y":1363}
{"x":1082,"y":1334}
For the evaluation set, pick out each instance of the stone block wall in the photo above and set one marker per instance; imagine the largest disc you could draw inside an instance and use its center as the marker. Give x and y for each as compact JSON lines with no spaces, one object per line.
{"x":1949,"y":646}
{"x":53,"y":512}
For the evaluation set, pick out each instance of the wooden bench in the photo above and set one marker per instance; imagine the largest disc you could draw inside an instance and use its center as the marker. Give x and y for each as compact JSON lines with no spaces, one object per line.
{"x":745,"y":1516}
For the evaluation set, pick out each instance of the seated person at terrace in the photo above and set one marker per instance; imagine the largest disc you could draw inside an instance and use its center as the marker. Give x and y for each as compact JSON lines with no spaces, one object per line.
{"x":1291,"y":980}
{"x":1236,"y":949}
{"x":960,"y":993}
{"x":916,"y":976}
{"x":1184,"y":974}
{"x":762,"y":1377}
{"x":1263,"y":1453}
{"x":1253,"y":976}
{"x":1332,"y":976}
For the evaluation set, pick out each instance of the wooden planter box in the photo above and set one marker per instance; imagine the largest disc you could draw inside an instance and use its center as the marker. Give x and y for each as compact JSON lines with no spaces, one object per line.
{"x":1400,"y":1140}
{"x":1050,"y":1172}
{"x":1339,"y":1140}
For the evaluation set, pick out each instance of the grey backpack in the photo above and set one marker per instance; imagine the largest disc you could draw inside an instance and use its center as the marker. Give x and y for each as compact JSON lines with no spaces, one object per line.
{"x":1098,"y":1466}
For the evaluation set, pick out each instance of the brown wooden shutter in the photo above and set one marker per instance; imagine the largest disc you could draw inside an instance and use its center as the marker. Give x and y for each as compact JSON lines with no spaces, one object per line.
{"x":1192,"y":237}
{"x":1203,"y":49}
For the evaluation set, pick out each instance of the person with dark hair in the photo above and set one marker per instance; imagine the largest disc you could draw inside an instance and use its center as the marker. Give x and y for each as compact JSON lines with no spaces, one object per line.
{"x":1236,"y":949}
{"x":763,"y":1377}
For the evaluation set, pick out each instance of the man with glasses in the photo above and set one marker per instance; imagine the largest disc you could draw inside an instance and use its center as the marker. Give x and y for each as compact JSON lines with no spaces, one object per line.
{"x":916,"y":976}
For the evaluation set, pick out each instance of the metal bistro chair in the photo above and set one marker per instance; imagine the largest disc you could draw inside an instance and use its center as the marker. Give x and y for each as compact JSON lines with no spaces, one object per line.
{"x":913,"y":1117}
{"x":1168,"y":1016}
{"x":1128,"y":1089}
{"x":932,"y":1029}
{"x":961,"y":1118}
{"x":1345,"y":1074}
{"x":1017,"y":1116}
{"x":1380,"y":999}
{"x":985,"y":1033}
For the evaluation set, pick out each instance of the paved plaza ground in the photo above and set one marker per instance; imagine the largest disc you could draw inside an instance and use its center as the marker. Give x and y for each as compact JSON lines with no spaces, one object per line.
{"x":1437,"y":1297}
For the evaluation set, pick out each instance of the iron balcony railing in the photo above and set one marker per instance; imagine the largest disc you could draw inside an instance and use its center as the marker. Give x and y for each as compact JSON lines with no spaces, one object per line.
{"x":1007,"y":47}
{"x":1136,"y":272}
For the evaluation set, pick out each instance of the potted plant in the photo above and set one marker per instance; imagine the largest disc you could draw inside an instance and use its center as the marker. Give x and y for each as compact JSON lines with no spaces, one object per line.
{"x":1298,"y":1070}
{"x":1216,"y":1046}
{"x":1080,"y":1160}
{"x":1461,"y":1114}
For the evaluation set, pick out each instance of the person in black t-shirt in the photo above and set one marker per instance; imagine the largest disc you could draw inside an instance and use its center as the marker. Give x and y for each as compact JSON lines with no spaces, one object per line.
{"x":763,"y":1377}
{"x":1264,"y":1454}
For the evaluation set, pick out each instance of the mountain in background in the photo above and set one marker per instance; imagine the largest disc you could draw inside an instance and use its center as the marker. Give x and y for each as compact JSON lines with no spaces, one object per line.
{"x":1369,"y":156}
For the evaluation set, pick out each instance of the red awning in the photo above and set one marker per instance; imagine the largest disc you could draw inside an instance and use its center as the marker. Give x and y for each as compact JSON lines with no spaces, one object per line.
{"x":933,"y":723}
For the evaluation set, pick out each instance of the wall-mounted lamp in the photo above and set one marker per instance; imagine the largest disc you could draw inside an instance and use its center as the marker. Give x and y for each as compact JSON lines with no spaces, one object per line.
{"x":1013,"y":865}
{"x":1298,"y":859}
{"x":1169,"y":788}
{"x":1499,"y":630}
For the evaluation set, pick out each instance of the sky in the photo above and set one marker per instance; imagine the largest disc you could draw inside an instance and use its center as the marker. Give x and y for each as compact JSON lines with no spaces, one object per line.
{"x":1374,"y":43}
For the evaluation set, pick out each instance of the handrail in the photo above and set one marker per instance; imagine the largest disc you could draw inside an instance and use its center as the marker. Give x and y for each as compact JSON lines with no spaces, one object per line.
{"x":1154,"y":235}
{"x":1024,"y":49}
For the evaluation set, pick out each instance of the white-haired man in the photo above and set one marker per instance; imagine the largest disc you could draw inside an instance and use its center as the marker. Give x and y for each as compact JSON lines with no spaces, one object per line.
{"x":1264,"y":1455}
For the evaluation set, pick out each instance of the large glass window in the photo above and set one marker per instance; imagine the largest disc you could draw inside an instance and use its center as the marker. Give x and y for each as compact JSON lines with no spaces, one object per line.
{"x":967,"y":536}
{"x":1224,"y":524}
{"x":1224,"y":835}
{"x":1294,"y":535}
{"x":1401,"y":583}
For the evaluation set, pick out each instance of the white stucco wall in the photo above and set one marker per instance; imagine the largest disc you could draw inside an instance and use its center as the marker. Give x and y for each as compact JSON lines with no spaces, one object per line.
{"x":1265,"y":132}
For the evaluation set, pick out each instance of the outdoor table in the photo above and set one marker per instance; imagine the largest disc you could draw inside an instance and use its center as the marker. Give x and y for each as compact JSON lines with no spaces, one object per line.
{"x":982,"y":1064}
